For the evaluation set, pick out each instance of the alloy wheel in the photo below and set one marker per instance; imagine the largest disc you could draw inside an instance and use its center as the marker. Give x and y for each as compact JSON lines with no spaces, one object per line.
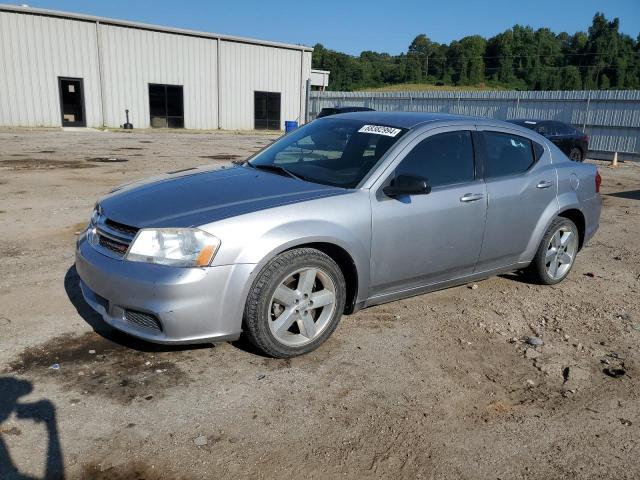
{"x":561,"y":251}
{"x":302,"y":306}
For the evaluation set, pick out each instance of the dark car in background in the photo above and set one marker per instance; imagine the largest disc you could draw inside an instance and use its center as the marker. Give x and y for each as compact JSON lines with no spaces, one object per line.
{"x":325,"y":112}
{"x":567,"y":138}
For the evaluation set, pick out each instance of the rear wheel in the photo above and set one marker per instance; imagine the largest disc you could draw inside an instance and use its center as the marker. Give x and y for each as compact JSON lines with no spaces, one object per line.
{"x":575,"y":154}
{"x":556,"y":253}
{"x":295,"y":303}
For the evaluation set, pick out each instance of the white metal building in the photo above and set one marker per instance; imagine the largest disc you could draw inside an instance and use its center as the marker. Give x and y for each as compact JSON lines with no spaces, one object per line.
{"x":320,"y":79}
{"x":63,"y":69}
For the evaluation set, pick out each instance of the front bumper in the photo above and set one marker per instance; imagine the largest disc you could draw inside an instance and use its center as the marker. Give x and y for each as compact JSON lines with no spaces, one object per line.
{"x":191,"y":305}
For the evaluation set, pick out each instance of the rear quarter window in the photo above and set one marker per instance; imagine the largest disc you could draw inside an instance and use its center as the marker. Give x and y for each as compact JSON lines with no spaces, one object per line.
{"x":507,"y":154}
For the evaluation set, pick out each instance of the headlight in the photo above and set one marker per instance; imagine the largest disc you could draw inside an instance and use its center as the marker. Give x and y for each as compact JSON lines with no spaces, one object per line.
{"x":95,"y":215}
{"x":178,"y":247}
{"x":90,"y":230}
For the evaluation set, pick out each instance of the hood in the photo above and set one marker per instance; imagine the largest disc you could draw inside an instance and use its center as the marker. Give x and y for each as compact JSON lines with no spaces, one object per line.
{"x":195,"y":197}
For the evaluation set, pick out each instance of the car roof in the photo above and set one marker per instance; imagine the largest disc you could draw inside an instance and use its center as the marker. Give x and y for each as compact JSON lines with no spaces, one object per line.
{"x":412,"y":119}
{"x":535,"y":122}
{"x":348,"y":109}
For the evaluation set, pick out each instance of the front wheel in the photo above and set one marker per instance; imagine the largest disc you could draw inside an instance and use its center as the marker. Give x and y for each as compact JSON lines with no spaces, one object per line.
{"x":556,"y":253}
{"x":295,"y":303}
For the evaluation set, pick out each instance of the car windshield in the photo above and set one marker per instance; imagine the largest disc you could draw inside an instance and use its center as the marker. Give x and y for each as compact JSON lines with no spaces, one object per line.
{"x":333,"y":151}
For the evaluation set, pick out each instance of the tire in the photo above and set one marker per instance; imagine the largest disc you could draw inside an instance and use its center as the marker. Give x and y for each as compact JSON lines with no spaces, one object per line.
{"x":559,"y":251}
{"x":280,"y":316}
{"x":575,"y":154}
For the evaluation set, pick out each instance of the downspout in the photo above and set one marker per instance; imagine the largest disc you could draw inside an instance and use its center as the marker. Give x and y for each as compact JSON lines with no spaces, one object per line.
{"x":307,"y":100}
{"x":100,"y":74}
{"x":302,"y":85}
{"x":218,"y":81}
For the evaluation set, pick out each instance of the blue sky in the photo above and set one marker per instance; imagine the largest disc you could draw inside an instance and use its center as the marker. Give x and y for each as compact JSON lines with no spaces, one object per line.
{"x":354,"y":25}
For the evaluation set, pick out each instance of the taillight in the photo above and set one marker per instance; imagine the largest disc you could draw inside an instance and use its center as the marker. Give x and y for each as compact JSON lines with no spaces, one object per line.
{"x":598,"y":181}
{"x":586,"y":138}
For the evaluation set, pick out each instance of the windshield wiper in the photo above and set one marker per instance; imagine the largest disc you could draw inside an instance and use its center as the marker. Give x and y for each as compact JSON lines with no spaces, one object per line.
{"x":276,"y":168}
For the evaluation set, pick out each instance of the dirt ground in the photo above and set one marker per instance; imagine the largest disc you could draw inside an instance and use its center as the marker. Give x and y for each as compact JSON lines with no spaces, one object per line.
{"x":436,"y":386}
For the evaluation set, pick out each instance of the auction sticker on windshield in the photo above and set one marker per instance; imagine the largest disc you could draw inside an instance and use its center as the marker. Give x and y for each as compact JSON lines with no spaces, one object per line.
{"x":380,"y":130}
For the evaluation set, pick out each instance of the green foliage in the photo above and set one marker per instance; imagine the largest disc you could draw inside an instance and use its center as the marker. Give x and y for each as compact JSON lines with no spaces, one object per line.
{"x":571,"y":79}
{"x":519,"y":58}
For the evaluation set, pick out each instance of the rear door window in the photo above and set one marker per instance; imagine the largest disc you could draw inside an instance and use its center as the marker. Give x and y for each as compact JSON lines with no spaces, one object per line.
{"x":507,"y":154}
{"x":442,"y":159}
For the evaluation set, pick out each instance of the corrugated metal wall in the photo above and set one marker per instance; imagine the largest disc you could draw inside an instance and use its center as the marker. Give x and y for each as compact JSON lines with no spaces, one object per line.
{"x":35,"y":49}
{"x":34,"y":52}
{"x":610,"y":118}
{"x":134,"y":58}
{"x":245,"y":69}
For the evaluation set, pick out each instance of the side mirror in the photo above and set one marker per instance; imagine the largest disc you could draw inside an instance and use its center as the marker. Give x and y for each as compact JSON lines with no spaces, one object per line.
{"x":407,"y":185}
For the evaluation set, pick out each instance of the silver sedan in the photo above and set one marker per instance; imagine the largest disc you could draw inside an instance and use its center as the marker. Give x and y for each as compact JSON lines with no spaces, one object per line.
{"x":344,"y":213}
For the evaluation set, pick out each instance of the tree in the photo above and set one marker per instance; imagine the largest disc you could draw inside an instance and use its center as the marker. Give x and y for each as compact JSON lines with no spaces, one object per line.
{"x":519,"y":57}
{"x":419,"y":52}
{"x":500,"y":57}
{"x":571,"y":79}
{"x":602,"y":49}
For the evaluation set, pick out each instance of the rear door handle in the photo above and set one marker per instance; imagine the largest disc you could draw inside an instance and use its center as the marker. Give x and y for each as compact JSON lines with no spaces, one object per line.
{"x":471,"y":197}
{"x":544,"y":184}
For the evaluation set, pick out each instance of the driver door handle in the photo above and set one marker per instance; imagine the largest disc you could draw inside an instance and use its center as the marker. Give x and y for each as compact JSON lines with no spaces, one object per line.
{"x":471,"y":197}
{"x":544,"y":184}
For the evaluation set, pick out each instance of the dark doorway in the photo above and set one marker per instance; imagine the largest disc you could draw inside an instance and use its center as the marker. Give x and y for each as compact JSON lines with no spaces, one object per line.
{"x":267,"y":110}
{"x":166,"y":105}
{"x":72,"y":102}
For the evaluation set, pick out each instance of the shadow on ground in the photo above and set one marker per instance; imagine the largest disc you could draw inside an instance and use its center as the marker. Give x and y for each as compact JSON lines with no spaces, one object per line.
{"x":519,"y":276}
{"x":41,"y":411}
{"x":629,"y":194}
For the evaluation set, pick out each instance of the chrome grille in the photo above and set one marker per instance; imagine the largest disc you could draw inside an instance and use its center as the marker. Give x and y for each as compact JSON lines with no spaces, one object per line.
{"x":141,"y":319}
{"x":114,"y":238}
{"x":120,"y":227}
{"x":117,"y":247}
